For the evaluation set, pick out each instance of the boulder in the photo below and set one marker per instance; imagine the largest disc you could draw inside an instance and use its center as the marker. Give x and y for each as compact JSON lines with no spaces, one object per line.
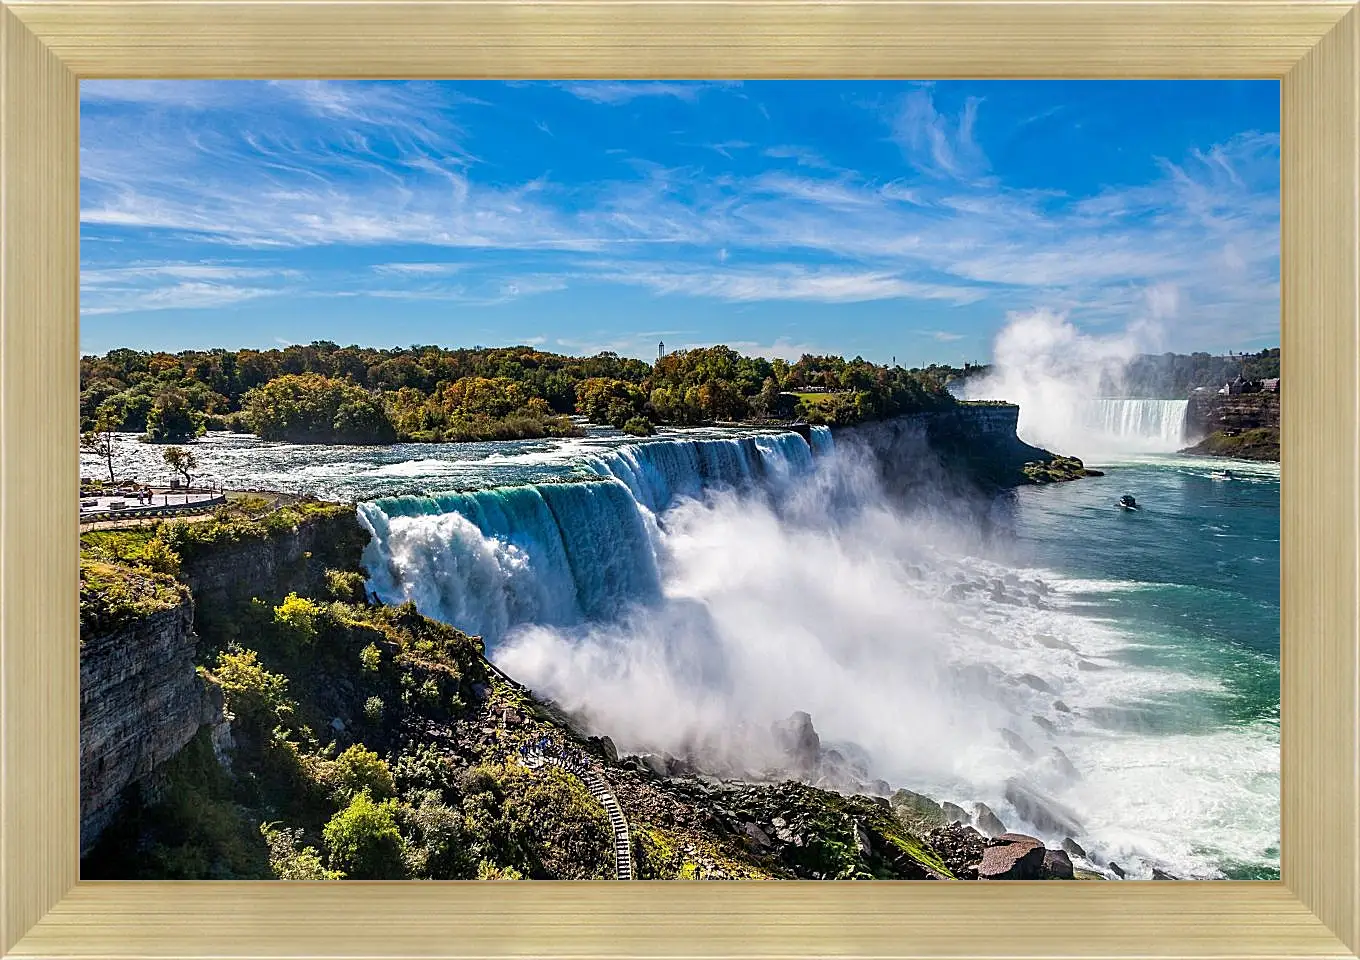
{"x":862,"y":841}
{"x":1012,"y":856}
{"x":1044,"y":724}
{"x":1117,"y":870}
{"x":611,"y":752}
{"x":1046,"y":814}
{"x":1072,"y":847}
{"x":797,"y":738}
{"x":1162,"y":875}
{"x":987,"y":822}
{"x":917,"y":809}
{"x":758,"y":836}
{"x":1017,"y":743}
{"x":1057,"y":865}
{"x":1035,"y":683}
{"x":1063,"y":764}
{"x":653,"y":764}
{"x":953,"y":813}
{"x":1061,"y":707}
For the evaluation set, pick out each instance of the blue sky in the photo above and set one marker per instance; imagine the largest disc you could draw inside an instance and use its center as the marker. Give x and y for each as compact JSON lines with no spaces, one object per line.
{"x":886,"y":219}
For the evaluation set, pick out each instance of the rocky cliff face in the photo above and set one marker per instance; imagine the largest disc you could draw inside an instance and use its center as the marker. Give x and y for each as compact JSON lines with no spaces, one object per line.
{"x":963,"y":451}
{"x":270,"y":568}
{"x":140,"y":694}
{"x":141,"y":701}
{"x":1248,"y":411}
{"x":1246,"y":426}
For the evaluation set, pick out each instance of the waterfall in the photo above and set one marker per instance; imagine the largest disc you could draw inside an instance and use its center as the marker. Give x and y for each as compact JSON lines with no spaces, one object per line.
{"x":561,"y":553}
{"x":1153,"y":426}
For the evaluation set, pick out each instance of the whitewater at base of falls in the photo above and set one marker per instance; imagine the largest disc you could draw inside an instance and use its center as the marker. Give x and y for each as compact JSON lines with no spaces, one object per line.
{"x":697,"y":591}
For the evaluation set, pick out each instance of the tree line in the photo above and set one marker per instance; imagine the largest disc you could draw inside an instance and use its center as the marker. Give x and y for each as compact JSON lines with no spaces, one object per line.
{"x":325,"y":393}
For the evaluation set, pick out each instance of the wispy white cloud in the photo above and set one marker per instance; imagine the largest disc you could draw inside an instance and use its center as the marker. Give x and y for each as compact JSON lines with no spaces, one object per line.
{"x":623,"y":91}
{"x":935,"y":144}
{"x":418,"y":269}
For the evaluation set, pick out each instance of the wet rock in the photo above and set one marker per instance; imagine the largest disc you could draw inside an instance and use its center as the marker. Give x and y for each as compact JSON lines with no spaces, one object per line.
{"x":758,"y":836}
{"x":1089,"y":665}
{"x":1035,"y":683}
{"x":862,"y":841}
{"x":1012,"y":856}
{"x":960,"y":847}
{"x":917,"y":809}
{"x":1072,"y":847}
{"x":653,"y":764}
{"x":608,"y":749}
{"x":1117,"y":870}
{"x":880,"y":788}
{"x":1052,"y":642}
{"x":1044,"y":724}
{"x":1061,"y":707}
{"x":1063,"y":765}
{"x":986,"y":821}
{"x":1057,"y":865}
{"x":1046,"y":814}
{"x":1158,"y":874}
{"x":953,"y":813}
{"x":1017,"y":743}
{"x":798,"y":740}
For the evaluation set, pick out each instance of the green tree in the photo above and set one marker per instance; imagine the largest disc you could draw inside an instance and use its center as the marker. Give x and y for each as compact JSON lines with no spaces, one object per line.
{"x":290,"y":863}
{"x":360,"y":770}
{"x":182,"y":462}
{"x":99,"y":440}
{"x":607,"y":400}
{"x":364,"y":842}
{"x":312,"y":408}
{"x":171,"y":419}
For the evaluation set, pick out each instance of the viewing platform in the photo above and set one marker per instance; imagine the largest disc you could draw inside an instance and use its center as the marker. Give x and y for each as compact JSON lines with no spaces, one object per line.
{"x":128,"y":503}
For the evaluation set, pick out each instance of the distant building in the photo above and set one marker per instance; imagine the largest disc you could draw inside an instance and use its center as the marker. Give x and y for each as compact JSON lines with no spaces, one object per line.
{"x":1271,"y":386}
{"x":660,"y":349}
{"x":1234,"y":387}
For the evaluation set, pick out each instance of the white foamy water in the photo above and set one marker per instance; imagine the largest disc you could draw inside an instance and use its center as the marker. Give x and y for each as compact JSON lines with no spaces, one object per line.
{"x":708,"y":588}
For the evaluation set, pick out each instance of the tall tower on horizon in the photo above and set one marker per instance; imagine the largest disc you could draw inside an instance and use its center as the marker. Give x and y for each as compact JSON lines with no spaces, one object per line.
{"x":660,"y":349}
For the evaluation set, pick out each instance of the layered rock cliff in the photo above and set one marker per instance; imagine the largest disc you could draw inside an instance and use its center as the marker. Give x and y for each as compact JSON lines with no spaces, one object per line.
{"x":142,"y":698}
{"x":968,"y":449}
{"x":1245,"y":426}
{"x":141,"y":701}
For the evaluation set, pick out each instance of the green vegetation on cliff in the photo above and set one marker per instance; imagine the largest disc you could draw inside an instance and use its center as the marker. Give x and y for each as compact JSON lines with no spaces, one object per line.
{"x":112,"y":594}
{"x":1262,"y":443}
{"x":367,"y":741}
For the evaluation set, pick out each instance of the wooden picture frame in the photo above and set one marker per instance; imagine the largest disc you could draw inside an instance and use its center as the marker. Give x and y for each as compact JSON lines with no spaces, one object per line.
{"x":47,"y":46}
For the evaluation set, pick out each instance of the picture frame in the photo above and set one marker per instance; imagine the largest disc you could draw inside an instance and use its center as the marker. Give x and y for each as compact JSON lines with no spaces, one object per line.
{"x":48,"y":46}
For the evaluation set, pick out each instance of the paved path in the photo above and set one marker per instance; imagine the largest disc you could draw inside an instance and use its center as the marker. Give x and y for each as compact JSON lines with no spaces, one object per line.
{"x":107,"y":506}
{"x":599,"y":789}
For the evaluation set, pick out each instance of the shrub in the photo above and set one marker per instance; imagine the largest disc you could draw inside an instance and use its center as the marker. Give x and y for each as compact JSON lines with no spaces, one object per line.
{"x":370,"y":657}
{"x":345,"y":586}
{"x":250,"y":690}
{"x":364,"y":842}
{"x":296,"y":619}
{"x":157,"y":556}
{"x":360,"y":770}
{"x":290,"y":863}
{"x":373,"y":709}
{"x":486,"y":870}
{"x":639,"y":427}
